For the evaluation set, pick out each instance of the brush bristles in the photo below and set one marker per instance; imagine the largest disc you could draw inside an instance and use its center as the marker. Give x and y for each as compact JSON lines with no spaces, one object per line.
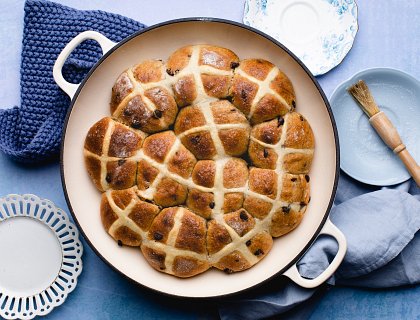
{"x":361,"y":93}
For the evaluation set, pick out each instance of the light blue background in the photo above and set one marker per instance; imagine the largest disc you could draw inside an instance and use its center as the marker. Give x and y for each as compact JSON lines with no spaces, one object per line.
{"x":389,"y":33}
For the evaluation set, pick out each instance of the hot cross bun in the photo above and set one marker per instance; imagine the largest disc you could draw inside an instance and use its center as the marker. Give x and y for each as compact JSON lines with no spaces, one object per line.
{"x":203,"y":161}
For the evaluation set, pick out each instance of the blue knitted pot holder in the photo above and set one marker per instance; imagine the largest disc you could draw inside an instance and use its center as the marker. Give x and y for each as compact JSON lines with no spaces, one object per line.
{"x":32,"y":132}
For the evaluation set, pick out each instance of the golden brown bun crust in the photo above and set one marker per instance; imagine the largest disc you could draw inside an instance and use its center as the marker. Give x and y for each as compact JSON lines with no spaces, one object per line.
{"x":121,"y":174}
{"x":177,"y":230}
{"x":121,"y":89}
{"x":192,"y":233}
{"x":170,"y":193}
{"x":146,"y":174}
{"x":283,"y":86}
{"x":124,"y":142}
{"x":179,"y":59}
{"x":211,"y":64}
{"x":261,"y":91}
{"x":235,"y":173}
{"x":243,"y":92}
{"x":162,"y":225}
{"x":260,"y":244}
{"x":203,"y":161}
{"x":155,"y":257}
{"x":217,"y":57}
{"x":240,"y":221}
{"x":216,"y":86}
{"x":143,"y":214}
{"x":188,"y":118}
{"x":158,"y":145}
{"x":299,"y":134}
{"x":127,"y":236}
{"x":107,"y":146}
{"x":233,"y":262}
{"x":95,"y":137}
{"x":182,"y":162}
{"x":185,"y":90}
{"x":201,"y":136}
{"x":108,"y":215}
{"x":297,"y":163}
{"x":93,"y":167}
{"x":233,"y":201}
{"x":285,"y":221}
{"x":200,"y":202}
{"x":126,"y":227}
{"x":258,"y":208}
{"x":200,"y":144}
{"x":217,"y":237}
{"x":149,"y":71}
{"x":263,"y":181}
{"x":295,"y":188}
{"x":185,"y":267}
{"x":140,"y":98}
{"x":204,"y":173}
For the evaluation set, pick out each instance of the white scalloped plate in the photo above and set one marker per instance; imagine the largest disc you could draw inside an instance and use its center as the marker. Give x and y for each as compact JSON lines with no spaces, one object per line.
{"x":319,"y":32}
{"x":41,"y":256}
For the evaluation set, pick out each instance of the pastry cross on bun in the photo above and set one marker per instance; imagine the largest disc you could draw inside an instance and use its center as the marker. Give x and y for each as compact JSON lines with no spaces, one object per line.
{"x":203,"y":161}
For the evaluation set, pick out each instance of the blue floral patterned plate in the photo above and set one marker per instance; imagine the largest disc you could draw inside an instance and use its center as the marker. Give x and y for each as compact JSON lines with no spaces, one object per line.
{"x":319,"y":32}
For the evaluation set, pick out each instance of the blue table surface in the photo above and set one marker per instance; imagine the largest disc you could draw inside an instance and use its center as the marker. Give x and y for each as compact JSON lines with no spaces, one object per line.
{"x":388,"y":37}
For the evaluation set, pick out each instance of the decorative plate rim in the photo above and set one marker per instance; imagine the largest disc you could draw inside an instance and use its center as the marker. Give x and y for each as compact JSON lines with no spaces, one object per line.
{"x":14,"y":306}
{"x":342,"y":86}
{"x":333,"y":63}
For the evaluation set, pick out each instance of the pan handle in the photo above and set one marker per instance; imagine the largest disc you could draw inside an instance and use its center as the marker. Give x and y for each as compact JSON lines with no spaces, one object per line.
{"x":67,"y":87}
{"x":329,"y":229}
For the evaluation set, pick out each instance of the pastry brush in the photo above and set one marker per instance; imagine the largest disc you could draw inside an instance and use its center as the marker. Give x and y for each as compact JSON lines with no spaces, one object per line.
{"x":383,"y":126}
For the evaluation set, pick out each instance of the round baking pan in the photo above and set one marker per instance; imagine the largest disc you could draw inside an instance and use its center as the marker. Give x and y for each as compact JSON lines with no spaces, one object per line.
{"x":90,"y":102}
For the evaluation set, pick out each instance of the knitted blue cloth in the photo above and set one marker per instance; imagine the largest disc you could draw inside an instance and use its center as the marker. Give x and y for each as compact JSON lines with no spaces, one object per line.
{"x":32,"y":132}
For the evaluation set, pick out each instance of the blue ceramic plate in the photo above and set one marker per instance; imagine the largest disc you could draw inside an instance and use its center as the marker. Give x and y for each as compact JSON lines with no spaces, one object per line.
{"x":363,"y":154}
{"x":319,"y":32}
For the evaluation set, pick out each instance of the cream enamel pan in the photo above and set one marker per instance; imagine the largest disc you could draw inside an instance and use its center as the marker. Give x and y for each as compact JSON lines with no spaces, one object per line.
{"x":90,"y":102}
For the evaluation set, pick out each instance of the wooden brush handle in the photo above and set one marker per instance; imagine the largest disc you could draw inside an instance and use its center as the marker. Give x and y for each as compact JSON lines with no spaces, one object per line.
{"x":390,"y":136}
{"x":411,"y":165}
